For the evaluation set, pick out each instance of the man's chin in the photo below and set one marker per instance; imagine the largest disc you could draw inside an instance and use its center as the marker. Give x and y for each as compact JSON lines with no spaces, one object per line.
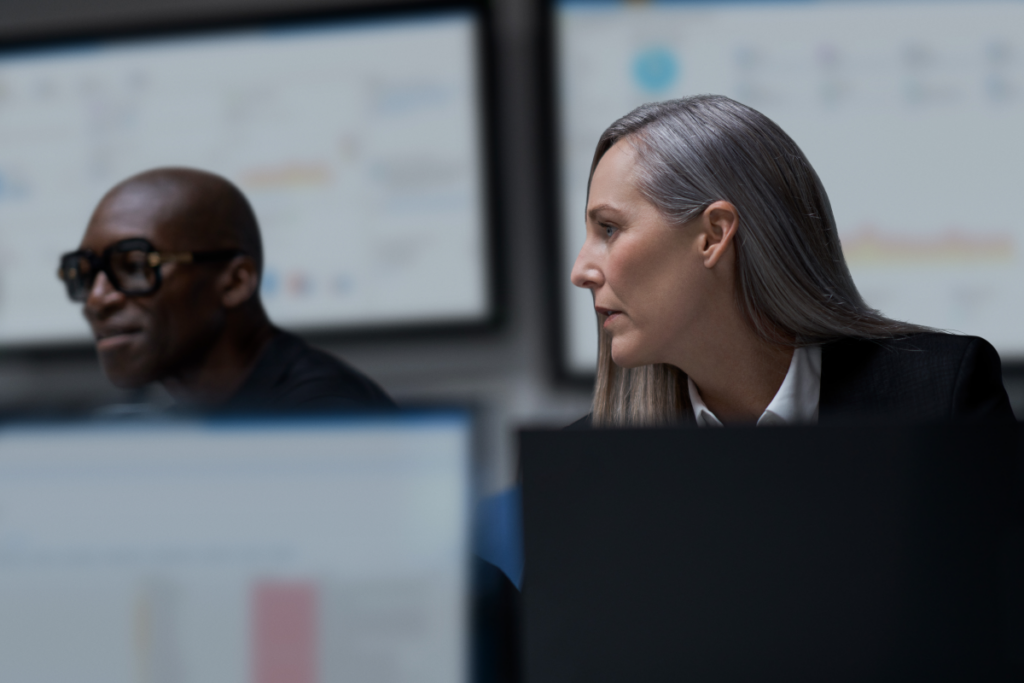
{"x":126,"y":378}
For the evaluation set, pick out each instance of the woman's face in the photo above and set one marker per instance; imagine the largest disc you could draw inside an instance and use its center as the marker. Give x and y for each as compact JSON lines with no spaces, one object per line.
{"x":650,"y":280}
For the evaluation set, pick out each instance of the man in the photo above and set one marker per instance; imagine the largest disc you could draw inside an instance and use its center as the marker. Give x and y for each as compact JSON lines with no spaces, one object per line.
{"x":169,"y":272}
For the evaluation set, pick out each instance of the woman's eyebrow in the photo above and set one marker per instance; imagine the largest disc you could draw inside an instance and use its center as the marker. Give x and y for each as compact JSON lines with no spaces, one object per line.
{"x":593,"y":212}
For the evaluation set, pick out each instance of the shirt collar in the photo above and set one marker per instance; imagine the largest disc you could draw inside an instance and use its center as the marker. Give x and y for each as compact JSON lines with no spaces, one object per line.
{"x":796,"y":401}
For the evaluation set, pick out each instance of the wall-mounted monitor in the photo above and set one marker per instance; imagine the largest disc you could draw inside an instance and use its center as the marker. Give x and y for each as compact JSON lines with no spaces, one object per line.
{"x":911,"y":113}
{"x":360,"y":140}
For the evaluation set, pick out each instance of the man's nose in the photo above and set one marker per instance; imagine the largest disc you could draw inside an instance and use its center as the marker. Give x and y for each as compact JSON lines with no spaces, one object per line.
{"x":102,"y":295}
{"x":586,"y":272}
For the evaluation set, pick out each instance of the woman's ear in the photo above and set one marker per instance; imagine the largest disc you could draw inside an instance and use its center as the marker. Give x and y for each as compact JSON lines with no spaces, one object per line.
{"x":239,"y":281}
{"x":719,"y":223}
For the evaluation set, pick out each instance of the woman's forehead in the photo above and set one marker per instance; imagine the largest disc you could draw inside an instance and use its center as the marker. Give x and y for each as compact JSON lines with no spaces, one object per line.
{"x":614,"y":181}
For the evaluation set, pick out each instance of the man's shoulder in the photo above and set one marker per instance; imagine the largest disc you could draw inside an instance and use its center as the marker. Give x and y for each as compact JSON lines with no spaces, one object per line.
{"x":317,"y":378}
{"x":291,"y":374}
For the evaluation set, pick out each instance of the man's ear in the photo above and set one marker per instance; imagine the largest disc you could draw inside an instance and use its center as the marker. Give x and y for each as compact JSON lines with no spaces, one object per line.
{"x":719,"y":223}
{"x":239,"y":281}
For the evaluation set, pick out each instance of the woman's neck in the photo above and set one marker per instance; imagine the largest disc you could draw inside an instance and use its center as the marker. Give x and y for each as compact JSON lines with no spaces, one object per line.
{"x":739,"y":378}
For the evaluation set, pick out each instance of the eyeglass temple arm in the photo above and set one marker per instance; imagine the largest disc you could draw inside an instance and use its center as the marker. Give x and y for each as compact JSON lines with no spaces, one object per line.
{"x":156,"y":258}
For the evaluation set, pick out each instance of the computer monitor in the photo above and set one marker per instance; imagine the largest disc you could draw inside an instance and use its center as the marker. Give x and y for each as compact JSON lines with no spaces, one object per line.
{"x":798,"y":554}
{"x":270,"y":551}
{"x":359,"y":139}
{"x":909,"y":111}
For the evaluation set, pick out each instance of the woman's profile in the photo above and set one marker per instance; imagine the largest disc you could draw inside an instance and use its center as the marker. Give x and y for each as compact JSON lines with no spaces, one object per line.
{"x":722,"y":294}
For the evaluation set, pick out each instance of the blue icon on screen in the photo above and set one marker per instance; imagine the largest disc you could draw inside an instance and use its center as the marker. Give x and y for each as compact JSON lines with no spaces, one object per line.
{"x":343,"y":284}
{"x":655,"y":69}
{"x":11,"y":187}
{"x":270,"y":284}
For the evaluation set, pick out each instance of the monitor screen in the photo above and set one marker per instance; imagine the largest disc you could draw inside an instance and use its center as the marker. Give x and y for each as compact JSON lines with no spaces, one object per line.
{"x":359,"y":143}
{"x":283,"y":551}
{"x":909,"y":111}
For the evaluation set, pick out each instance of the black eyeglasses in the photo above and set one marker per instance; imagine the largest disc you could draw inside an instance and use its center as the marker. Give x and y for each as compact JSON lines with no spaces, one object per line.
{"x":132,"y":266}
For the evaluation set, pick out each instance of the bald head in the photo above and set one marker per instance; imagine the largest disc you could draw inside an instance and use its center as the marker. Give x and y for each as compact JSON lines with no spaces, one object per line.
{"x":194,"y":317}
{"x":189,"y":209}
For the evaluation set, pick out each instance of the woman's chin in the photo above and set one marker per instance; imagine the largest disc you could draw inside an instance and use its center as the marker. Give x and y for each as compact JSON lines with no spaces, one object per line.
{"x":626,"y":358}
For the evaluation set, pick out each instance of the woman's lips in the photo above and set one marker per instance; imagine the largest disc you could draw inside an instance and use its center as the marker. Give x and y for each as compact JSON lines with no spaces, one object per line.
{"x":609,"y":314}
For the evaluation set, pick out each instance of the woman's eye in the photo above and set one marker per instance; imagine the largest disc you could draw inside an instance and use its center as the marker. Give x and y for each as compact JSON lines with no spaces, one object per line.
{"x":609,"y":230}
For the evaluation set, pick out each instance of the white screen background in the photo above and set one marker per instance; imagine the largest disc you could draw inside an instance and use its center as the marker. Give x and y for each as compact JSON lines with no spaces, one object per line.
{"x":358,"y":145}
{"x":911,"y":113}
{"x":146,"y":552}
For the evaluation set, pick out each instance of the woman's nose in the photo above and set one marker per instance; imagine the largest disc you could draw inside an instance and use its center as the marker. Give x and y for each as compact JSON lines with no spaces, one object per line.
{"x":586,"y":272}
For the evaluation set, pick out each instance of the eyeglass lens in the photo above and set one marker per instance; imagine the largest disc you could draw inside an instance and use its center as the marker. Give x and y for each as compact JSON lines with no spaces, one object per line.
{"x":78,"y":274}
{"x":132,"y":271}
{"x":129,"y":271}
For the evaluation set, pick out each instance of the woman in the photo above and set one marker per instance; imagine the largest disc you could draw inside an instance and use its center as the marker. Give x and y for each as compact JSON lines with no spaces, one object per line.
{"x":722,"y":294}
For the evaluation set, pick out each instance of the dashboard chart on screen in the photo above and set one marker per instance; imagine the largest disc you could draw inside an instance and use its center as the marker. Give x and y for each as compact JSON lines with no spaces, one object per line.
{"x":359,"y":142}
{"x":277,"y":551}
{"x":909,"y":111}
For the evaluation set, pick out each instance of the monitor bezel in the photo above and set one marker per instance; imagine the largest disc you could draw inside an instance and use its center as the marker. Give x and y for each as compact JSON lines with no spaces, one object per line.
{"x":548,"y":69}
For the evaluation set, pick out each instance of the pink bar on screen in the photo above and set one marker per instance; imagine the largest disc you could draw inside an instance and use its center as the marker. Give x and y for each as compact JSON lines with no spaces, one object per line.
{"x":284,"y":632}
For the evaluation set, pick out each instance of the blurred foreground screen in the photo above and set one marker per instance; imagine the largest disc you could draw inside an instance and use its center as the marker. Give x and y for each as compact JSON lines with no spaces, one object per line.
{"x":358,"y":142}
{"x":277,"y":552}
{"x":910,"y":112}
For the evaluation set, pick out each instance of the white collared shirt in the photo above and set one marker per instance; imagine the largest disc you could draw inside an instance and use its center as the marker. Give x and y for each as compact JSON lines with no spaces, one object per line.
{"x":796,"y":401}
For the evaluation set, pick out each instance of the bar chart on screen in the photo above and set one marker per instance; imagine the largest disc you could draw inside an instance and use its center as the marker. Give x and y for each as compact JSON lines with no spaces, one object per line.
{"x":908,"y":111}
{"x":310,"y":554}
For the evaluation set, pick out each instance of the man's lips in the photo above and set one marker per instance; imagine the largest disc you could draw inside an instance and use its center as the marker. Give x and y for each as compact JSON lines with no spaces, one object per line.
{"x":111,"y":337}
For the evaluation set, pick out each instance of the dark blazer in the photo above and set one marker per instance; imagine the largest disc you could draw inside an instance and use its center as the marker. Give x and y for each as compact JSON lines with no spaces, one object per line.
{"x":918,"y":378}
{"x":923,"y":377}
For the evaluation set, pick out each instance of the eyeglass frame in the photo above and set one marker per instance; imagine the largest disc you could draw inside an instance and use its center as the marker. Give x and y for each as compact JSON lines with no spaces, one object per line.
{"x":154,"y":259}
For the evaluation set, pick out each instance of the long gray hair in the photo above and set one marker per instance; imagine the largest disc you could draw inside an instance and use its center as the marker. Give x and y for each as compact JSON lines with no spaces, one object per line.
{"x":793,"y":280}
